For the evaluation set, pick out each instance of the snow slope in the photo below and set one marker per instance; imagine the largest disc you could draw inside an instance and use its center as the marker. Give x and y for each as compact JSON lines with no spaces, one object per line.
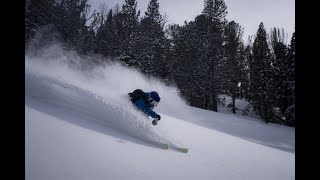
{"x":79,"y":125}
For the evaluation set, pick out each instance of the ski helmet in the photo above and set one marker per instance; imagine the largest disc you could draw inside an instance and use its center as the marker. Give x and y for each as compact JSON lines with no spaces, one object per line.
{"x":155,"y":96}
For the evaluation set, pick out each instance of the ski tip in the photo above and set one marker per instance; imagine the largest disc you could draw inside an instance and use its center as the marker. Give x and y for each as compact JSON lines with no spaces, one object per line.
{"x":185,"y":150}
{"x":165,"y":146}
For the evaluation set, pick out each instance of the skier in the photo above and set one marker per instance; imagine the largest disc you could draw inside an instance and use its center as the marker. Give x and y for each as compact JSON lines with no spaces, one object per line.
{"x":146,"y":101}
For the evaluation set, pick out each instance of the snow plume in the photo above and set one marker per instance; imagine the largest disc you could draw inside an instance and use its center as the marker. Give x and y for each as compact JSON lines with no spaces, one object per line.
{"x":52,"y":69}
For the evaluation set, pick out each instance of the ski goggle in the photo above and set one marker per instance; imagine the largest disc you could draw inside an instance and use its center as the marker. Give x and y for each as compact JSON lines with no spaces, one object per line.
{"x":153,"y":102}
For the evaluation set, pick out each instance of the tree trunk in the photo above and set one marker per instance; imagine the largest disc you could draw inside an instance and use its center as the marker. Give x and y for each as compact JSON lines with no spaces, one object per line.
{"x":234,"y":102}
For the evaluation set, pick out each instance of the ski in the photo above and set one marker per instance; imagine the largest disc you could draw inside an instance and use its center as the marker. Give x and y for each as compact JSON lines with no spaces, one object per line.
{"x":165,"y":146}
{"x":181,"y":149}
{"x":185,"y":150}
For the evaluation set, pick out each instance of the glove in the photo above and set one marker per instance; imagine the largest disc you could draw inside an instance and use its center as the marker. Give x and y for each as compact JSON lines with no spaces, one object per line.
{"x":155,"y":122}
{"x":156,"y":119}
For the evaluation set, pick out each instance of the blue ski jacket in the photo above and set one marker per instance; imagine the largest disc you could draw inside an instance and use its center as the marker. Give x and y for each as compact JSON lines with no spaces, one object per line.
{"x":143,"y":105}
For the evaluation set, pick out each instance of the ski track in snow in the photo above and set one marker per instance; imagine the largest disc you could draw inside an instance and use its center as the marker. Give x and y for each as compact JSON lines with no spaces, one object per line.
{"x":213,"y":161}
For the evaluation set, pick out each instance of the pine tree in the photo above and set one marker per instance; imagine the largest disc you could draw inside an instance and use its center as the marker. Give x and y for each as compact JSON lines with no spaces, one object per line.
{"x":150,"y":42}
{"x":186,"y":72}
{"x":153,"y":13}
{"x":279,"y":63}
{"x":231,"y":66}
{"x":106,"y":38}
{"x":201,"y":88}
{"x":118,"y":26}
{"x":290,"y":79}
{"x":261,"y":73}
{"x":37,"y":14}
{"x":198,"y":51}
{"x":127,"y":22}
{"x":244,"y":53}
{"x":250,"y":59}
{"x":175,"y":32}
{"x":215,"y":11}
{"x":70,"y":20}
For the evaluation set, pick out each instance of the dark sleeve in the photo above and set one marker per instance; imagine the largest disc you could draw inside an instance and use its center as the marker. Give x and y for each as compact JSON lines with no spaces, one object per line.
{"x":141,"y":104}
{"x":150,"y":112}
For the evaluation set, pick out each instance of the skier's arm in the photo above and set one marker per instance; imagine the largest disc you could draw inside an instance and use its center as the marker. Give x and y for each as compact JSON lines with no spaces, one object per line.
{"x":150,"y":112}
{"x":141,"y":104}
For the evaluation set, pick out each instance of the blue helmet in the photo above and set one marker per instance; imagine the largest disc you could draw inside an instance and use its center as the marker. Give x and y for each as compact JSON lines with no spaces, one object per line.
{"x":155,"y":96}
{"x":154,"y":99}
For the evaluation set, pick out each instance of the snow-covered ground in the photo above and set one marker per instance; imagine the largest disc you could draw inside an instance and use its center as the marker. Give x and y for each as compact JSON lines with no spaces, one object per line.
{"x":80,"y":125}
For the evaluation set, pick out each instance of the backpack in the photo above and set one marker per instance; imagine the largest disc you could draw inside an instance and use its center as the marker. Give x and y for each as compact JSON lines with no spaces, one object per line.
{"x":136,"y":94}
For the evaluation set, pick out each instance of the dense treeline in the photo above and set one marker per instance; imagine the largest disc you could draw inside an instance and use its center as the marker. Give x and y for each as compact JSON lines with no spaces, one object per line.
{"x":205,"y":57}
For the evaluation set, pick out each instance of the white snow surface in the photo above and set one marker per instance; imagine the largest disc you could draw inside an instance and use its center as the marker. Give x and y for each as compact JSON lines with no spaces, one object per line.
{"x":79,"y":125}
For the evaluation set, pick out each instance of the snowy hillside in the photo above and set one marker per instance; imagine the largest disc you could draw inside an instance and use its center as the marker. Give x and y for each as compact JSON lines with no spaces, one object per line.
{"x":80,"y":125}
